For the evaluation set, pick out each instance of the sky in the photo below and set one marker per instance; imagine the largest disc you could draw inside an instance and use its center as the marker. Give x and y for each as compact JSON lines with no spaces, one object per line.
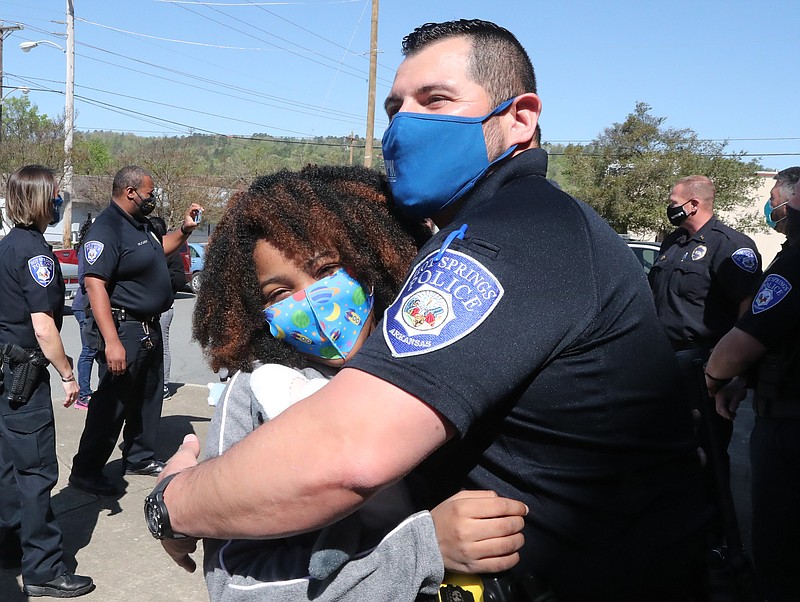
{"x":726,"y":69}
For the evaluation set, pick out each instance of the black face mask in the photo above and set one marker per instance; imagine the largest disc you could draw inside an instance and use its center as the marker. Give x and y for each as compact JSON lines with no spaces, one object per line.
{"x":56,"y":216}
{"x":792,"y":224}
{"x":677,"y":215}
{"x":147,"y":205}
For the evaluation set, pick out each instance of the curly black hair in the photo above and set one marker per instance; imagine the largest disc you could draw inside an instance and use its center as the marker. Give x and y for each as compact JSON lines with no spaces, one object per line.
{"x":317,"y":209}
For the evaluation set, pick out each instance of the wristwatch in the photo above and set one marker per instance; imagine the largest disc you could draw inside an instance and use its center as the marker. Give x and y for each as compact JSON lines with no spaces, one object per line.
{"x":156,"y":513}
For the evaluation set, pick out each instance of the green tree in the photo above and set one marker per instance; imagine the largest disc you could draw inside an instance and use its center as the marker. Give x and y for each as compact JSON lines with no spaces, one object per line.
{"x":92,"y":156}
{"x":627,"y":173}
{"x":29,"y":137}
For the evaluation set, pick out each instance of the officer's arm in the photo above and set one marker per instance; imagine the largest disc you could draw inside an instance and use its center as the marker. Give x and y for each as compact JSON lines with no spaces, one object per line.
{"x":173,"y":240}
{"x":315,"y":463}
{"x":735,"y":353}
{"x":50,"y":342}
{"x":100,"y":303}
{"x":744,"y":305}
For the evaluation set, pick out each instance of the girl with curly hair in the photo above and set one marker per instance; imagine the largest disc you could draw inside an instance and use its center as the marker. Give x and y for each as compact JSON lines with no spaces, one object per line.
{"x":297,"y":273}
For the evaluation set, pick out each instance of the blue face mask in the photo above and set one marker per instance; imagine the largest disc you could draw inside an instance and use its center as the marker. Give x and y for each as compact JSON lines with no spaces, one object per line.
{"x":56,"y":216}
{"x":768,"y":210}
{"x":432,"y":160}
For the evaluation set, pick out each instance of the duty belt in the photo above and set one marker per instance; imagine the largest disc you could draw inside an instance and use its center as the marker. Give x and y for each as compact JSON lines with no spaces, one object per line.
{"x":123,"y":314}
{"x":777,"y":408}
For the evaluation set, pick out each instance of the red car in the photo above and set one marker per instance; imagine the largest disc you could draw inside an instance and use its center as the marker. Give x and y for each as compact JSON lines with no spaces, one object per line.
{"x":68,"y":258}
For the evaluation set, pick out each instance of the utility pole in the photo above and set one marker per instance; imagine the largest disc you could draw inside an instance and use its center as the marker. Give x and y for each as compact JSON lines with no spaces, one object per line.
{"x":373,"y":68}
{"x":5,"y":31}
{"x":352,"y":140}
{"x":69,"y":125}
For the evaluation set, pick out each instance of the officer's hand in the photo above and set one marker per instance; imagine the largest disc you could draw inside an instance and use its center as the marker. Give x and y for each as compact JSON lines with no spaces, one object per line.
{"x":729,"y":397}
{"x":179,"y":550}
{"x":185,"y":457}
{"x":479,"y":532}
{"x":116,"y":358}
{"x":71,"y":390}
{"x":189,"y":223}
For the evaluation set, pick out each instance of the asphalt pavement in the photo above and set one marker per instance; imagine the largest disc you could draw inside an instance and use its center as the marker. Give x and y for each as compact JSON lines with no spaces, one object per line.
{"x":107,"y":539}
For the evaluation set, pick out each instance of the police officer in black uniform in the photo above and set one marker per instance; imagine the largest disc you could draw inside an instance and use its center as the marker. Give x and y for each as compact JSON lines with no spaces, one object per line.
{"x":551,"y":377}
{"x":702,"y":281}
{"x":767,"y":337}
{"x":127,"y":286}
{"x":30,"y":320}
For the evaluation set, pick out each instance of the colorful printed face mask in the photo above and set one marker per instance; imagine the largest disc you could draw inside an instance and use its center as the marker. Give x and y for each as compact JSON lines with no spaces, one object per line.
{"x":323,"y":320}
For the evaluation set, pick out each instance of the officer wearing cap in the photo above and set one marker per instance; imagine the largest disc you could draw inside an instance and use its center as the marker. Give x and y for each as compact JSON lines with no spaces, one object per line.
{"x":128,"y":286}
{"x":767,"y":339}
{"x":30,"y":320}
{"x":702,"y":281}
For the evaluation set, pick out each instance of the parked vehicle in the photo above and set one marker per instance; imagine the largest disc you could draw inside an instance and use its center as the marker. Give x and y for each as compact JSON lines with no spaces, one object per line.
{"x":68,"y":258}
{"x":646,"y":252}
{"x":187,"y":262}
{"x":197,"y":254}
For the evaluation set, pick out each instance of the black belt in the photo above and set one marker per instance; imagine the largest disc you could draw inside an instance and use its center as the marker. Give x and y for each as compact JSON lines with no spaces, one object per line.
{"x":687,"y":345}
{"x":777,"y":408}
{"x":123,"y":314}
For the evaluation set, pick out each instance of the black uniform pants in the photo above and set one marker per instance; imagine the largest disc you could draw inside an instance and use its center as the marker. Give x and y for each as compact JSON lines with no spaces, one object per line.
{"x":713,"y":434}
{"x":133,"y":399}
{"x":28,"y":473}
{"x":775,"y":465}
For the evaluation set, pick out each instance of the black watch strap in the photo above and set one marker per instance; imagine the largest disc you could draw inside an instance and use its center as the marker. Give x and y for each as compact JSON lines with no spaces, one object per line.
{"x":156,"y":514}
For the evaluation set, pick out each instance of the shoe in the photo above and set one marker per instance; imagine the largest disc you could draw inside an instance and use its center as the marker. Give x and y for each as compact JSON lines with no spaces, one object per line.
{"x":167,"y":392}
{"x":65,"y":586}
{"x":83,"y":403}
{"x":97,"y":486}
{"x":151,"y":470}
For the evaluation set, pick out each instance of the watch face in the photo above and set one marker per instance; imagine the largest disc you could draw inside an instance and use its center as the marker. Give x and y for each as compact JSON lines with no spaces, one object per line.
{"x":152,"y":516}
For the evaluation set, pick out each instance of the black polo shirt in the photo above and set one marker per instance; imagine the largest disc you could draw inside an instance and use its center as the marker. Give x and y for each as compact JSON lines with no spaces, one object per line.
{"x":31,"y":281}
{"x":127,"y":254}
{"x":774,"y":316}
{"x":536,"y":337}
{"x":699,"y":282}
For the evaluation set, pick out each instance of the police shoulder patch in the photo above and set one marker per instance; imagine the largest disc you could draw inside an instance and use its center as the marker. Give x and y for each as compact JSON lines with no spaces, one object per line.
{"x":92,"y":250}
{"x":42,"y":268}
{"x":440,"y":303}
{"x":746,"y":259}
{"x":772,"y":291}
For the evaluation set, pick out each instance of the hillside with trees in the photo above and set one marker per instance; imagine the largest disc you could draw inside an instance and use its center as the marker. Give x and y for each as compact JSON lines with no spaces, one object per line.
{"x":625,"y":173}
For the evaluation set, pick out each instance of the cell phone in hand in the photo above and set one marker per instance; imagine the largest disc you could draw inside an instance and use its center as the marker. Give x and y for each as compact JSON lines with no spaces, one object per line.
{"x":198,"y":215}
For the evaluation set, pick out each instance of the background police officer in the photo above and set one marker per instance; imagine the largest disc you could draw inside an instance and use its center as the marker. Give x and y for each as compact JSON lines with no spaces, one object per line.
{"x":767,"y":336}
{"x":779,"y":196}
{"x":702,"y":281}
{"x":30,"y":318}
{"x":128,"y":286}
